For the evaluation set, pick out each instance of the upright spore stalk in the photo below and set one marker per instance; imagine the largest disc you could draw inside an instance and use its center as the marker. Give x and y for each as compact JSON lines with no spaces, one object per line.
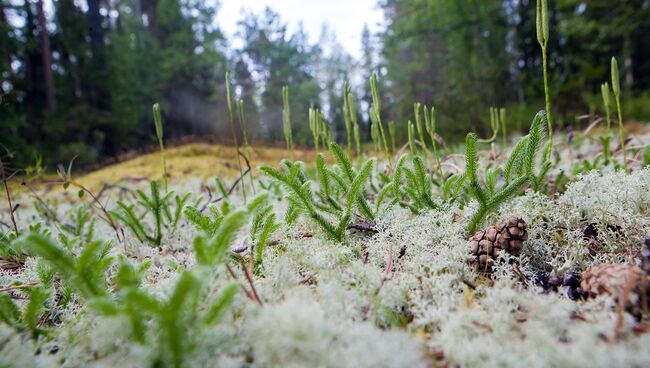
{"x":607,"y":102}
{"x":375,"y":114}
{"x":542,"y":38}
{"x":352,"y":111}
{"x":159,"y":133}
{"x":234,"y":135}
{"x":286,"y":120}
{"x":502,"y":119}
{"x":616,"y":87}
{"x":347,"y":116}
{"x":391,"y":134}
{"x":430,"y":126}
{"x":249,"y":151}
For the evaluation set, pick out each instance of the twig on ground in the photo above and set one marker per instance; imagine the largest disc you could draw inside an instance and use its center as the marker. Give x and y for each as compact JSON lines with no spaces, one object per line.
{"x":364,"y":226}
{"x":107,"y":217}
{"x":21,"y":286}
{"x":234,"y":184}
{"x":307,"y":279}
{"x":366,"y":254}
{"x":40,"y":200}
{"x":5,"y":181}
{"x":468,"y":283}
{"x":521,"y":275}
{"x":107,"y":186}
{"x":387,"y":272}
{"x":234,"y":276}
{"x":249,"y":278}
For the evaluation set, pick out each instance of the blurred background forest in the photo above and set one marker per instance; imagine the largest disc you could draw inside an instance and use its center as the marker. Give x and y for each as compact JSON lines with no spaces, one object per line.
{"x":80,"y":78}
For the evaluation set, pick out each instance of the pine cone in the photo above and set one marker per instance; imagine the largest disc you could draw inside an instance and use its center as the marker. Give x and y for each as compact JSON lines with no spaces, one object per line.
{"x":617,"y":280}
{"x":486,"y":244}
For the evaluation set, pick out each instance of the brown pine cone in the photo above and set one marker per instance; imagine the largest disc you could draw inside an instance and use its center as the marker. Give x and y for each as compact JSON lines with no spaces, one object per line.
{"x":486,"y":244}
{"x":617,"y":280}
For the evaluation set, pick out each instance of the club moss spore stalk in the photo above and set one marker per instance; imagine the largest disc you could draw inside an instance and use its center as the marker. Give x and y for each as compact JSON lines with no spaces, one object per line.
{"x":494,"y":126}
{"x":541,"y":23}
{"x":502,"y":120}
{"x":607,"y":103}
{"x":411,"y":136}
{"x":375,"y":114}
{"x":234,"y":134}
{"x":286,"y":120}
{"x":346,"y":117}
{"x":616,"y":87}
{"x":391,"y":134}
{"x":159,"y":133}
{"x":430,"y":126}
{"x":249,"y":150}
{"x":418,"y":124}
{"x":352,"y":114}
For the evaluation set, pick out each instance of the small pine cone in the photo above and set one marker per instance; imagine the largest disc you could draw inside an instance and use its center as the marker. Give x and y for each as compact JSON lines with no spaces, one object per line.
{"x":486,"y":244}
{"x":617,"y":280}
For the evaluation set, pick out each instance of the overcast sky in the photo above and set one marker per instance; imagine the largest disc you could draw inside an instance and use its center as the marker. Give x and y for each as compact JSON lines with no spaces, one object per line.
{"x":345,"y":17}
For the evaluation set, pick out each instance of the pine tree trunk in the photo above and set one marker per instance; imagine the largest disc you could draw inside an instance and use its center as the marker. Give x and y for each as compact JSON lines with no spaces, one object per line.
{"x":149,"y":8}
{"x":46,"y":56}
{"x":100,"y":96}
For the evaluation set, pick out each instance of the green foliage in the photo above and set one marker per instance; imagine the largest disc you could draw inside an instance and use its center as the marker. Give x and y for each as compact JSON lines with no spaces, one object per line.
{"x":175,"y":323}
{"x":84,"y":272}
{"x":518,"y":170}
{"x":102,"y":103}
{"x":263,"y":225}
{"x":178,"y":320}
{"x":29,"y":318}
{"x":342,"y":189}
{"x":417,"y":194}
{"x":212,"y":249}
{"x":11,"y":246}
{"x":7,"y":245}
{"x":155,"y":207}
{"x":81,"y":230}
{"x":205,"y":223}
{"x":220,"y":228}
{"x":105,"y":84}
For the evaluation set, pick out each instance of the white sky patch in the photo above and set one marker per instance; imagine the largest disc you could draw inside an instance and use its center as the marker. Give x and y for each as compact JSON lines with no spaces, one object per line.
{"x":344,"y":17}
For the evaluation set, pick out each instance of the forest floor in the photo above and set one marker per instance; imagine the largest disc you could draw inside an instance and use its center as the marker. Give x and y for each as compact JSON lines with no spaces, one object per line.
{"x":399,"y":291}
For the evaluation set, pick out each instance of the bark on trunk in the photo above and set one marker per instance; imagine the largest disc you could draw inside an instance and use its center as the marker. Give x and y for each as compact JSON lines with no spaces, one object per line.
{"x":46,"y":56}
